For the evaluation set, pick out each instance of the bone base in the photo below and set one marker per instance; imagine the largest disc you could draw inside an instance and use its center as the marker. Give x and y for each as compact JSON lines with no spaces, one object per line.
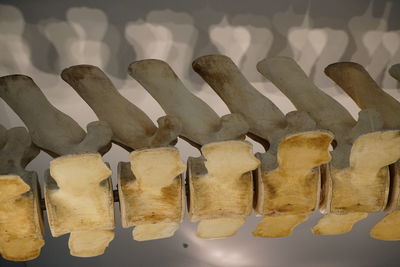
{"x":151,"y":193}
{"x":389,"y":227}
{"x":20,"y":218}
{"x":219,"y":228}
{"x":364,"y":185}
{"x":287,"y":194}
{"x":354,"y":191}
{"x":79,"y":198}
{"x":89,"y":243}
{"x":335,"y":224}
{"x":145,"y":232}
{"x":278,"y":226}
{"x":221,"y":187}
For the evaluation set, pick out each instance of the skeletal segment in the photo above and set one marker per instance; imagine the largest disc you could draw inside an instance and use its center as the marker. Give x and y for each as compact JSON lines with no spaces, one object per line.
{"x":287,"y":194}
{"x":20,"y":219}
{"x":79,"y":201}
{"x":151,"y":193}
{"x":363,"y":186}
{"x":221,"y":188}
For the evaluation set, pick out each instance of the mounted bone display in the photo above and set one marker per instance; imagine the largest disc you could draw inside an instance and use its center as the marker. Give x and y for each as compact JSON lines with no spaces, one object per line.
{"x":357,"y":179}
{"x":220,"y":211}
{"x":288,"y":180}
{"x":220,"y":182}
{"x":152,"y":194}
{"x":78,"y":190}
{"x":360,"y":86}
{"x":150,"y":186}
{"x":21,"y":225}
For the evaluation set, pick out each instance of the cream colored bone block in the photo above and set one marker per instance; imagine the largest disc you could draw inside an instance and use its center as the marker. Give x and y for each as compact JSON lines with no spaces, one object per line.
{"x":21,"y":226}
{"x":221,"y":187}
{"x":278,"y":226}
{"x":151,"y":193}
{"x":389,"y":227}
{"x":337,"y":224}
{"x":89,"y":243}
{"x":79,"y":200}
{"x":287,"y":194}
{"x":363,"y":186}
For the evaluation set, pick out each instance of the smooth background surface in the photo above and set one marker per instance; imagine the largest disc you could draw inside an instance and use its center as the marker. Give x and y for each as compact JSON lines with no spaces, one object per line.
{"x":40,"y":38}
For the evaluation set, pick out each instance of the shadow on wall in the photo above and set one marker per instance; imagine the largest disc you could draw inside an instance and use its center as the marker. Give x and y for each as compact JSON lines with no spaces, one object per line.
{"x":43,"y":37}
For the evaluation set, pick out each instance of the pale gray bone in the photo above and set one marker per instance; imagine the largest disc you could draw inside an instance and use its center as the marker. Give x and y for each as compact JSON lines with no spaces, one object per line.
{"x":131,"y":127}
{"x":360,"y":86}
{"x":265,"y":119}
{"x":16,"y":152}
{"x":200,"y":124}
{"x":395,"y":71}
{"x":50,"y":129}
{"x":288,"y":77}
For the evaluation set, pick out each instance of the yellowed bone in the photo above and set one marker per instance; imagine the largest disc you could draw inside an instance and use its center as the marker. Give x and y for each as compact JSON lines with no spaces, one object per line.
{"x":221,"y":187}
{"x":291,"y":191}
{"x":89,"y":243}
{"x":389,"y":227}
{"x":293,"y":188}
{"x":79,"y":198}
{"x":278,"y":226}
{"x":151,"y":192}
{"x":145,"y":232}
{"x":363,"y":186}
{"x":21,"y":237}
{"x":221,"y":227}
{"x":336,"y":224}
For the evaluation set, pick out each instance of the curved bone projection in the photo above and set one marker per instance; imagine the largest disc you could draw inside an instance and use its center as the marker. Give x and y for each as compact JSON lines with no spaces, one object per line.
{"x":354,"y":181}
{"x":134,"y":130}
{"x":131,"y":126}
{"x":78,"y":179}
{"x":21,"y":226}
{"x":289,"y":179}
{"x":51,"y":130}
{"x":360,"y":86}
{"x":201,"y":126}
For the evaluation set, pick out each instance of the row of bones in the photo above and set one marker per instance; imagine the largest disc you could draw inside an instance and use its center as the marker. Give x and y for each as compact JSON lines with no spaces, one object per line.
{"x":295,"y":176}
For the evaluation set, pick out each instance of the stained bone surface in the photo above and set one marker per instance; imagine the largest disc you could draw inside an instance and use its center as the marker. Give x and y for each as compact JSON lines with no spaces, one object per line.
{"x":132,"y":128}
{"x":152,"y":195}
{"x":211,"y":201}
{"x":221,"y":194}
{"x":21,"y":226}
{"x":366,"y":93}
{"x":355,"y":181}
{"x":80,"y":177}
{"x":200,"y":124}
{"x":151,"y":183}
{"x":289,"y":178}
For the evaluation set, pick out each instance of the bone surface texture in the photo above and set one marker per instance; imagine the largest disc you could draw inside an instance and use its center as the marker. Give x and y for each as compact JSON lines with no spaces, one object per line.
{"x":355,"y":181}
{"x":21,"y":227}
{"x":360,"y":86}
{"x":78,"y":174}
{"x":288,"y":181}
